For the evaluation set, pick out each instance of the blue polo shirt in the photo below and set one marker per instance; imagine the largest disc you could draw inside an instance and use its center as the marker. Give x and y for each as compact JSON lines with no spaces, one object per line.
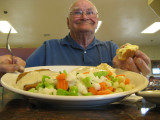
{"x":68,"y":52}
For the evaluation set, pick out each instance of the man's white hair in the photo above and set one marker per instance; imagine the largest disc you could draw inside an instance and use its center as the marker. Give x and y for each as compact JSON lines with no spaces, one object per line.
{"x":70,"y":8}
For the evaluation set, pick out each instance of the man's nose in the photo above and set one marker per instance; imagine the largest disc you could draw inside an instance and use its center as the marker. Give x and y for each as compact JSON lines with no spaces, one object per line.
{"x":84,"y":15}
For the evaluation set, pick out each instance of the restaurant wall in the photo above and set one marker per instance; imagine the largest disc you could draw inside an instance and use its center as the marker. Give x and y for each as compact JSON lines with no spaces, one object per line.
{"x":152,"y":51}
{"x":23,"y":53}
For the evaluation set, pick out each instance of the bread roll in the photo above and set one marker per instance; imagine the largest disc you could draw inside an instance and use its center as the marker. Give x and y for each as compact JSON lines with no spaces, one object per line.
{"x":126,"y":51}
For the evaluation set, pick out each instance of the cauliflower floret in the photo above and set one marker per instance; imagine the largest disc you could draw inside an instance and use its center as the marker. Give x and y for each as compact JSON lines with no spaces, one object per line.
{"x":115,"y":85}
{"x":102,"y":79}
{"x":122,"y":85}
{"x":72,"y":79}
{"x":71,"y":76}
{"x":121,"y":79}
{"x":72,"y":83}
{"x":82,"y":88}
{"x":50,"y":91}
{"x":128,"y":87}
{"x":81,"y":76}
{"x":96,"y":86}
{"x":96,"y":79}
{"x":118,"y":90}
{"x":108,"y":83}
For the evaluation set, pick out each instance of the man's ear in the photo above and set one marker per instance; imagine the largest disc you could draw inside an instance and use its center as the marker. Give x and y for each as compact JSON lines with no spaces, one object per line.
{"x":68,"y":22}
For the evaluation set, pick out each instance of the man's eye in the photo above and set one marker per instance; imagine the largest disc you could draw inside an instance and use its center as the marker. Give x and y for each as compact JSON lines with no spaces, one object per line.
{"x":77,"y":13}
{"x":89,"y":12}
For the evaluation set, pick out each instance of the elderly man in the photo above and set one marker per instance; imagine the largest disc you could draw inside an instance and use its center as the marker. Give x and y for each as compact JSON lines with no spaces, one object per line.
{"x":80,"y":47}
{"x":7,"y":66}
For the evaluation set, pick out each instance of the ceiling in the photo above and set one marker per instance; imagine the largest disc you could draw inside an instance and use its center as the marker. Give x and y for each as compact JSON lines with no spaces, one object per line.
{"x":40,"y":20}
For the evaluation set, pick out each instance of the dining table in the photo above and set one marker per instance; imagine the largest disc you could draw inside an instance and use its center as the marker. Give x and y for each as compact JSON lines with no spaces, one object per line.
{"x":14,"y":106}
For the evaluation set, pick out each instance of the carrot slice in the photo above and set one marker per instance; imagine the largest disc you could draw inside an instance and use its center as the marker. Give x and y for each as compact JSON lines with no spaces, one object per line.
{"x":120,"y":75}
{"x":103,"y":83}
{"x":92,"y":90}
{"x":108,"y":77}
{"x":110,"y":88}
{"x":103,"y":86}
{"x":61,"y":81}
{"x":63,"y":84}
{"x":127,"y":81}
{"x":61,"y":76}
{"x":110,"y":73}
{"x":86,"y":73}
{"x":105,"y":92}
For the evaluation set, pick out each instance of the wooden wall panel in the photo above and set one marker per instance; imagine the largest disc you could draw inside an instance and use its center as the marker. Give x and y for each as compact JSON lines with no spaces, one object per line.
{"x":24,"y":53}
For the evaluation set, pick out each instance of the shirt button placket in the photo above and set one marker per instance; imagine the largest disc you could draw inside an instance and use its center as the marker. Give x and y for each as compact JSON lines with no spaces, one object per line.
{"x":84,"y":57}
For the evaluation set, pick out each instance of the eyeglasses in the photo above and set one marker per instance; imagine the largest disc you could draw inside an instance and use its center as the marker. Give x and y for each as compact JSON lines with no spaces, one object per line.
{"x":79,"y":13}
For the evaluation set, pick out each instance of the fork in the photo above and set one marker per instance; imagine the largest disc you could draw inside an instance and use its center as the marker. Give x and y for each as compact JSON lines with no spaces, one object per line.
{"x":8,"y":46}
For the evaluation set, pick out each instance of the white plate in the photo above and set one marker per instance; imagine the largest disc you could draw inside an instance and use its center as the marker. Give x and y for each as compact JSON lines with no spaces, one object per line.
{"x":152,"y":96}
{"x":140,"y":82}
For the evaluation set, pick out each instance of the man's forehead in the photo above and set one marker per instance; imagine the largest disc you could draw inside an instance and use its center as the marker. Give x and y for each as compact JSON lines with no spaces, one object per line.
{"x":82,"y":5}
{"x":78,"y":8}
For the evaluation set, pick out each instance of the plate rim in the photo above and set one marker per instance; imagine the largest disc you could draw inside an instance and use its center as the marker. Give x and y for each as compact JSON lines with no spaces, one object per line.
{"x":149,"y":93}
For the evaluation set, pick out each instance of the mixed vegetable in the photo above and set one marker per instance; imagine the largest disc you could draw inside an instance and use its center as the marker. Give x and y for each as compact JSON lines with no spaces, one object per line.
{"x":83,"y":84}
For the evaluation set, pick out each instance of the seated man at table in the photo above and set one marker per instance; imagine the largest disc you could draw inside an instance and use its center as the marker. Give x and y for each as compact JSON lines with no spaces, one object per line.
{"x":80,"y":46}
{"x":7,"y":66}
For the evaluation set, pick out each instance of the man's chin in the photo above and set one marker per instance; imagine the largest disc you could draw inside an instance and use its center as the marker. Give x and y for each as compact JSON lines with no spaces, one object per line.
{"x":86,"y":30}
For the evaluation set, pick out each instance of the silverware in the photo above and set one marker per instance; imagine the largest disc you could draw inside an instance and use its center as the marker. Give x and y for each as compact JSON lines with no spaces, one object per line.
{"x":8,"y":46}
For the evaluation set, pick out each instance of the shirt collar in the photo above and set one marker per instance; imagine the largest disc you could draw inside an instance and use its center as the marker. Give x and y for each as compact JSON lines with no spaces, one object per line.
{"x":69,"y":41}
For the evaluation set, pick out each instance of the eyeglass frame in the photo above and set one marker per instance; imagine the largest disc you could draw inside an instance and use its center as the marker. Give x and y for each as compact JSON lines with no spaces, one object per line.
{"x":83,"y":12}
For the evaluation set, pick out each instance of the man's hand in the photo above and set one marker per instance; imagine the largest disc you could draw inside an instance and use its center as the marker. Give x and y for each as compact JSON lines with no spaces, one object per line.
{"x":7,"y":66}
{"x":137,"y":64}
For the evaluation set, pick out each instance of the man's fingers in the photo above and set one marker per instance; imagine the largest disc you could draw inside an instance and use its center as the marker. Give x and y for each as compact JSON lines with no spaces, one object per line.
{"x":145,"y":70}
{"x":140,"y":54}
{"x":20,"y":69}
{"x":11,"y":68}
{"x":19,"y":61}
{"x":5,"y":59}
{"x":131,"y":66}
{"x":138,"y":64}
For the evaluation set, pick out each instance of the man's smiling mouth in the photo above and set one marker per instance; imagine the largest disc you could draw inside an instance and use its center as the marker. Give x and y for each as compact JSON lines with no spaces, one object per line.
{"x":85,"y":22}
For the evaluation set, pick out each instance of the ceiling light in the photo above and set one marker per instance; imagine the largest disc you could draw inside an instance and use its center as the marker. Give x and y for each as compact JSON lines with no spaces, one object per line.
{"x":153,"y":28}
{"x":98,"y":26}
{"x":5,"y":27}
